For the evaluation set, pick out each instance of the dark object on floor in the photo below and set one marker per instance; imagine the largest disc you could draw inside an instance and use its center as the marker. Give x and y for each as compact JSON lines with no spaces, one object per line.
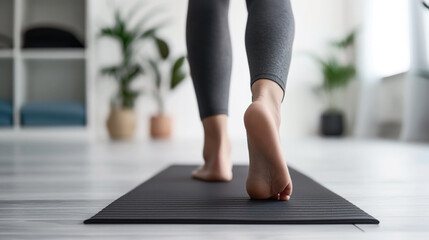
{"x":49,"y":37}
{"x":172,"y":196}
{"x":6,"y":113}
{"x":332,"y":123}
{"x":53,"y":114}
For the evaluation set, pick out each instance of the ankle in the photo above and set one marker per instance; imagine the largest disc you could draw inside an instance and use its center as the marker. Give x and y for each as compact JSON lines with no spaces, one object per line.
{"x":216,"y":139}
{"x":265,"y":90}
{"x":269,"y":94}
{"x":215,"y":127}
{"x":217,"y":150}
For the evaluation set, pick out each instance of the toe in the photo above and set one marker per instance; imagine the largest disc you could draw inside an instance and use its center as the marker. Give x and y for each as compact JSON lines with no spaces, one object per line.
{"x":276,"y":196}
{"x":197,"y":172}
{"x":286,"y":193}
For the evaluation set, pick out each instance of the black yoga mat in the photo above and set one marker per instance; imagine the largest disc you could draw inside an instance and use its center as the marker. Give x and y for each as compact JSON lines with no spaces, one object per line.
{"x":172,"y":196}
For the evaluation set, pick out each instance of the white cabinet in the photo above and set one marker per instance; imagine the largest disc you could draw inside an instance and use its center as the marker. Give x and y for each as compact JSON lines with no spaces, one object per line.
{"x":52,"y":74}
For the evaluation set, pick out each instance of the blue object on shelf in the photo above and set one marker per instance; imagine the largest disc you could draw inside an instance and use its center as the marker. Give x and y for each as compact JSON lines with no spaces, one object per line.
{"x":6,"y":113}
{"x":65,"y":113}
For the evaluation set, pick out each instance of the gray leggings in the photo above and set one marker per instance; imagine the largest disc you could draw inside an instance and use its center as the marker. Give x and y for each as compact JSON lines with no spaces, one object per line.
{"x":269,"y":39}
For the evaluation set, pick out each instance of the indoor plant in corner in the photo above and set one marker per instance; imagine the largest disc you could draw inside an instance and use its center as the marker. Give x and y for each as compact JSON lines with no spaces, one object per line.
{"x":336,"y":76}
{"x":121,"y":122}
{"x":161,"y":123}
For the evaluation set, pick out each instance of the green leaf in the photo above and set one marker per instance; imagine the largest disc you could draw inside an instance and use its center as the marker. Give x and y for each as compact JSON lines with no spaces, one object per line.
{"x":176,"y":79}
{"x":178,"y":64}
{"x":157,"y":73}
{"x":163,"y":48}
{"x":128,"y":70}
{"x":128,"y":98}
{"x":112,"y":70}
{"x":425,"y":4}
{"x":176,"y":75}
{"x":134,"y":71}
{"x":347,"y":41}
{"x":336,"y":74}
{"x":127,"y":40}
{"x":108,"y":32}
{"x":127,"y":95}
{"x":149,"y":33}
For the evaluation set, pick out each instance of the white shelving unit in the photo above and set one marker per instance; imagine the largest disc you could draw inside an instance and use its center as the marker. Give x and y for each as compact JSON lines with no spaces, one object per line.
{"x":28,"y":74}
{"x":6,"y":54}
{"x":55,"y":54}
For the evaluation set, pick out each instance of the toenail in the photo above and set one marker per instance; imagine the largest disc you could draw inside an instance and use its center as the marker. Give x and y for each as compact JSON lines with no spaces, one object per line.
{"x":278,"y":196}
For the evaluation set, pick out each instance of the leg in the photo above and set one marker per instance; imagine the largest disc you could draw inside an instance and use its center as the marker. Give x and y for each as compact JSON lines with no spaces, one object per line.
{"x":210,"y":60}
{"x":269,"y":38}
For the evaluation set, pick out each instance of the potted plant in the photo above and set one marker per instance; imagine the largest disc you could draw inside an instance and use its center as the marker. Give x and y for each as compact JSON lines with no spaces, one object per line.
{"x":161,"y":123}
{"x":336,"y":75}
{"x":121,"y":122}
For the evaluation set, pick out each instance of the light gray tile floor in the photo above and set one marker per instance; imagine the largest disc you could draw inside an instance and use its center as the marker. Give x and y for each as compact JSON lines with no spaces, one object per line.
{"x":47,"y":188}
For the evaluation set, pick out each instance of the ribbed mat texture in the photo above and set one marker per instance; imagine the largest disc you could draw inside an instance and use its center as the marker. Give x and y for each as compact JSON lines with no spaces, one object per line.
{"x":172,"y":196}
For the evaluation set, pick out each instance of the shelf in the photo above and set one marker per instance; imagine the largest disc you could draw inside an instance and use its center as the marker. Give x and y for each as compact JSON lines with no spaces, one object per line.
{"x":6,"y":93}
{"x":6,"y":23}
{"x":66,"y":14}
{"x":28,"y":75}
{"x":52,"y":79}
{"x":6,"y":53}
{"x":6,"y":79}
{"x":53,"y":53}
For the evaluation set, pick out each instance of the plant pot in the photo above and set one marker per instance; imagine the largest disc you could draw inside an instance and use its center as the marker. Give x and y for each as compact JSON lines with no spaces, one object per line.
{"x":121,"y":123}
{"x":160,"y":126}
{"x":332,"y":123}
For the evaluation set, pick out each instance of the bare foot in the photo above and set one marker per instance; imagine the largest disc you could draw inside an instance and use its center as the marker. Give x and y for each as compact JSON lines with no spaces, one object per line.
{"x":268,"y":173}
{"x":217,"y":150}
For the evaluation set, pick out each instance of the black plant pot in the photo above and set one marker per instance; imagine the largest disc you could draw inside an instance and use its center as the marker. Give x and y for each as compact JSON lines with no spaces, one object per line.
{"x":332,"y":123}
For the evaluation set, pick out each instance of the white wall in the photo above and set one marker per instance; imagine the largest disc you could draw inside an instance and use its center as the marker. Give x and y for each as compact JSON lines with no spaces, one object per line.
{"x":317,"y":22}
{"x":385,"y":51}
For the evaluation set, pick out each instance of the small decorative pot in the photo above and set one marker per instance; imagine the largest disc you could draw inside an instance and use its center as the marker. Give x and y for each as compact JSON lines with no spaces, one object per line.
{"x":121,"y":123}
{"x":332,"y":123}
{"x":160,"y":126}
